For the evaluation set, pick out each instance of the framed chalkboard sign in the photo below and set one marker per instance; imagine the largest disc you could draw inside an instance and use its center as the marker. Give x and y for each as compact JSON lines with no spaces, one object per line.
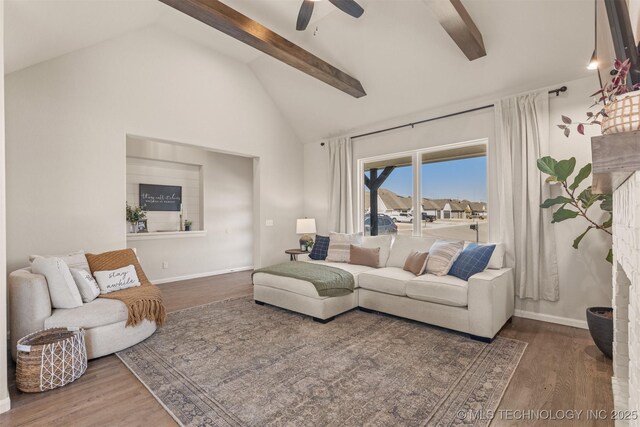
{"x":166,"y":198}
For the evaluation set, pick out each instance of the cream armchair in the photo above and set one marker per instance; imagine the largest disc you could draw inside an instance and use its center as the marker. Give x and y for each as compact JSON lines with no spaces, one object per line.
{"x":104,"y":320}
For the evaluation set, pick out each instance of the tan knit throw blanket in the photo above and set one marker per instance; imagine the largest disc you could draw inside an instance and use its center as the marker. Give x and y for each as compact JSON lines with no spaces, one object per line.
{"x":143,"y":302}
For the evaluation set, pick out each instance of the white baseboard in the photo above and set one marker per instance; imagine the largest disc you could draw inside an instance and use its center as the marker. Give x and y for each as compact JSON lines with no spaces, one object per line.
{"x":582,"y":324}
{"x":200,"y":275}
{"x":5,"y":405}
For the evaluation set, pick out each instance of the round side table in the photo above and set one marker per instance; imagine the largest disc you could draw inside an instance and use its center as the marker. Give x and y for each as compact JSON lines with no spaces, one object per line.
{"x":293,"y":253}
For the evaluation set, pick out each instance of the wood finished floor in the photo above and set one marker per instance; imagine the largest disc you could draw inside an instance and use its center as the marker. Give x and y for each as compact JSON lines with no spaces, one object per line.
{"x":560,"y":370}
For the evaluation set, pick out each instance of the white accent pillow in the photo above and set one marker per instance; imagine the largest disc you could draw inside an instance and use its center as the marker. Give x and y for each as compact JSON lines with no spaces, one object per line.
{"x":87,"y":285}
{"x":340,"y":246}
{"x":115,"y":280}
{"x":496,"y":262}
{"x":72,"y":259}
{"x":442,"y":255}
{"x":382,"y":242}
{"x":404,"y":245}
{"x":62,"y":289}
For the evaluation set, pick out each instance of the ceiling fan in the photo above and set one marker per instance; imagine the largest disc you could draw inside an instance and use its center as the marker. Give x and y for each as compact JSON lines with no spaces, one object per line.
{"x":350,"y":7}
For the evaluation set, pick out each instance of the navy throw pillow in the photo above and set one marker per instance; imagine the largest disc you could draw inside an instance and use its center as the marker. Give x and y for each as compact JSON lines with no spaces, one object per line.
{"x":472,"y":260}
{"x":320,"y":248}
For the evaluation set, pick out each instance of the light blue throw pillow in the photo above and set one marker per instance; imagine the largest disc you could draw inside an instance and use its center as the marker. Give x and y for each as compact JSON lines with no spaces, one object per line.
{"x":472,"y":260}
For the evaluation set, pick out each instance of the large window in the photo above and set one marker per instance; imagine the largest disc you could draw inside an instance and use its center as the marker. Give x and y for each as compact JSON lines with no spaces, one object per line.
{"x":433,"y":192}
{"x":454,"y":195}
{"x":388,"y":191}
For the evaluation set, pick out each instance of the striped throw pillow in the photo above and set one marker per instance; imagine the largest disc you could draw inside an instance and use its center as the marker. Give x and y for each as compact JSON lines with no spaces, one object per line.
{"x":340,"y":246}
{"x":442,"y":255}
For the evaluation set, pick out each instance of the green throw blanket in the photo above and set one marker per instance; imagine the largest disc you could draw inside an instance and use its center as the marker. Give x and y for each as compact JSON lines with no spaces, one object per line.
{"x":329,"y":281}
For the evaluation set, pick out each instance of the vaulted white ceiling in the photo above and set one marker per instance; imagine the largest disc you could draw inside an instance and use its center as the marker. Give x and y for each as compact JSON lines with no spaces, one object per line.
{"x":397,"y":49}
{"x":38,"y":30}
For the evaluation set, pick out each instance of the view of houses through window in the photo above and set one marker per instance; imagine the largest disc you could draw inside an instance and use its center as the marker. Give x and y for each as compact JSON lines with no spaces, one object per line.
{"x":393,"y":211}
{"x":453,"y":194}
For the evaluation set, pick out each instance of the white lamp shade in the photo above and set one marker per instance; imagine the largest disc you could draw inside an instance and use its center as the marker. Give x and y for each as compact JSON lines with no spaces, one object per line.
{"x":306,"y":226}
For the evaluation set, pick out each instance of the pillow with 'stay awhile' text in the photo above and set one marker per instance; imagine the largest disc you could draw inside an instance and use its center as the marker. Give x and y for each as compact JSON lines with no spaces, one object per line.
{"x":116,"y":280}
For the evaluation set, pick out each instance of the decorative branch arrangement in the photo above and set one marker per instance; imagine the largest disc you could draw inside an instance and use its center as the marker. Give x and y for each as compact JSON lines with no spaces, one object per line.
{"x":135,"y":213}
{"x":605,"y":96}
{"x":574,"y":205}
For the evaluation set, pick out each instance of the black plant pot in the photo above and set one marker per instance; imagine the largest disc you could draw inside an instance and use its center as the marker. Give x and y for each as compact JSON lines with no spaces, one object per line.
{"x":600,"y":321}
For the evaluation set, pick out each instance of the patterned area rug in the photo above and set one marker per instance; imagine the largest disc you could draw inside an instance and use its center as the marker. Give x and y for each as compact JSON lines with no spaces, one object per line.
{"x":237,"y":363}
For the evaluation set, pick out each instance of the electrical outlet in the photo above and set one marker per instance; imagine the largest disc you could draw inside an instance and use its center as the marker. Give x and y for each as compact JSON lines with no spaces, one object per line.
{"x":165,"y":264}
{"x":269,"y":223}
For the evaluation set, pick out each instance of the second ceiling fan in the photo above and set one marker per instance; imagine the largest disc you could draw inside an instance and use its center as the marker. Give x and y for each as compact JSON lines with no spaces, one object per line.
{"x":350,"y":7}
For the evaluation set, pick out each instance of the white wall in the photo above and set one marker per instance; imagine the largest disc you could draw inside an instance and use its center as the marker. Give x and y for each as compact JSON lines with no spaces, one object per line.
{"x":227,"y":194}
{"x":67,"y":122}
{"x":4,"y":391}
{"x":585,"y":278}
{"x":316,"y":185}
{"x":634,"y":14}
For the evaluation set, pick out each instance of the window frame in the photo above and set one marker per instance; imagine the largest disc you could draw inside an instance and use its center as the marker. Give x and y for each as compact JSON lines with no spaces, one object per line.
{"x":416,"y":164}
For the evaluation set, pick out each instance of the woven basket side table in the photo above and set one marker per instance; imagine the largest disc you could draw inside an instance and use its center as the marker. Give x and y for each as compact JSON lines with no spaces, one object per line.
{"x":50,"y":358}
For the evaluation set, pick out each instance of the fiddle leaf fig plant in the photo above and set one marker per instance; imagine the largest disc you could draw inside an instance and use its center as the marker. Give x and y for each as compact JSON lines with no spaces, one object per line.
{"x":573,"y":204}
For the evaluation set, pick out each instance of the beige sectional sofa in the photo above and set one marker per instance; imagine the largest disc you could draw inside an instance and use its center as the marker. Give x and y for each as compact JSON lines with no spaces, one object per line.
{"x":478,"y":307}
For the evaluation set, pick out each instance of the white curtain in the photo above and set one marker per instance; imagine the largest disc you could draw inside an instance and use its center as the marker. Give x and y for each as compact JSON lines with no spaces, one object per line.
{"x":522,"y":137}
{"x":341,"y":197}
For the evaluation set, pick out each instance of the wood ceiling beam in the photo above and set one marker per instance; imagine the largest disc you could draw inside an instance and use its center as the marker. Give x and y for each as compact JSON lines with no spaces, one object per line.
{"x":233,"y":23}
{"x":457,"y":22}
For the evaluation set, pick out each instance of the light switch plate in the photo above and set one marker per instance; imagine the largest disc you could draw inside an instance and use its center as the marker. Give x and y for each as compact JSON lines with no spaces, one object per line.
{"x":269,"y":223}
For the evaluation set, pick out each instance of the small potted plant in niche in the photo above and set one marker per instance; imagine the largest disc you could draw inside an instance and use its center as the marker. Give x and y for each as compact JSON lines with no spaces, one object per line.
{"x":573,"y":204}
{"x":620,"y":105}
{"x":187,"y":224}
{"x":135,"y":214}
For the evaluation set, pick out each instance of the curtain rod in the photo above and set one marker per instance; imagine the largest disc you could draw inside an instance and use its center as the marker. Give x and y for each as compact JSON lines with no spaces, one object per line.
{"x":484,"y":107}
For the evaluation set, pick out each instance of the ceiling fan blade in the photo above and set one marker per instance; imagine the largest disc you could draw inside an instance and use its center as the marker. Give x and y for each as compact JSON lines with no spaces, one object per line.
{"x":304,"y":16}
{"x":350,"y":7}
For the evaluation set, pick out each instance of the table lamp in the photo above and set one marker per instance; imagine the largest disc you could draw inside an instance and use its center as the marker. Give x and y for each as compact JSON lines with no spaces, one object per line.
{"x":306,"y":227}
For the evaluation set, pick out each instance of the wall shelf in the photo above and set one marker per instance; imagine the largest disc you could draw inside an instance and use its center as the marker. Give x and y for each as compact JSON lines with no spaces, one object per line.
{"x":615,"y":158}
{"x":159,"y":235}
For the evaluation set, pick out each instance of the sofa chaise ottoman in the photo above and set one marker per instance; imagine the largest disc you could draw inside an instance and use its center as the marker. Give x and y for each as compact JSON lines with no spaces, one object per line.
{"x":301,"y":296}
{"x":479,"y":307}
